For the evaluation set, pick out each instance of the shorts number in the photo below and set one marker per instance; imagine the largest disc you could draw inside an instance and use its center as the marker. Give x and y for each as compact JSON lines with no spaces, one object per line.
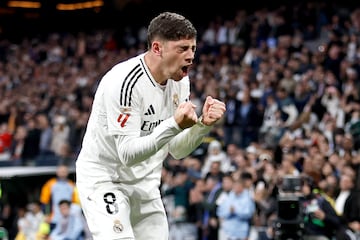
{"x":111,"y":204}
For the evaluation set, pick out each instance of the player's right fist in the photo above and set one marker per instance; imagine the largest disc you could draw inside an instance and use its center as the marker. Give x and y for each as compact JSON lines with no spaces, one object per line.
{"x":185,"y":115}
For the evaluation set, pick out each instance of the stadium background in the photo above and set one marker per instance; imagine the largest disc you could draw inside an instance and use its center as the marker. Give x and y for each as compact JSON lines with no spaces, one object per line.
{"x":18,"y":23}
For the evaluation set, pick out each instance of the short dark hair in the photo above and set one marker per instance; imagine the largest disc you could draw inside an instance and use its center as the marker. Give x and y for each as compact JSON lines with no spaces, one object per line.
{"x":65,"y":201}
{"x":170,"y":26}
{"x":246,"y":176}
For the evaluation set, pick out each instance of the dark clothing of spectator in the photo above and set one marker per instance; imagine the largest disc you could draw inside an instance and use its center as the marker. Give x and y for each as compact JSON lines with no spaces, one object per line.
{"x":352,"y":211}
{"x":31,"y":146}
{"x":316,"y":226}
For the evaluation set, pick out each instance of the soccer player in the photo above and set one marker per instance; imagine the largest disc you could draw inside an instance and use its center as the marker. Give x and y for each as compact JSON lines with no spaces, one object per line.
{"x":140,"y":114}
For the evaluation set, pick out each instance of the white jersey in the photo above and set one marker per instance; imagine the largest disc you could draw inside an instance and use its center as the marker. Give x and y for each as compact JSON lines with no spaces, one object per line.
{"x":131,"y":130}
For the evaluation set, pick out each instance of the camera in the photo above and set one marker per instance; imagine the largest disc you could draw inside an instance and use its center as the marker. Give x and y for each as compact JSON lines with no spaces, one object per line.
{"x":291,"y":184}
{"x":289,"y":220}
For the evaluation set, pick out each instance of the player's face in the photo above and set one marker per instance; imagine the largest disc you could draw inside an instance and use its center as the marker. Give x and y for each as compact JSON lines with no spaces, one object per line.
{"x":177,"y":58}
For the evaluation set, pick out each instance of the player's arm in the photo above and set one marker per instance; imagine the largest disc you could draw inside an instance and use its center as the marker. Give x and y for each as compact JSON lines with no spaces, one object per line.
{"x":188,"y":140}
{"x":133,"y":149}
{"x":123,"y":109}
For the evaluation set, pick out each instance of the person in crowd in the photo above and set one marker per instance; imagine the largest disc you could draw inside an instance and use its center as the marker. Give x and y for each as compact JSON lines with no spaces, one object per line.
{"x":179,"y":225}
{"x":29,"y":220}
{"x":70,"y":224}
{"x":23,"y":224}
{"x":31,"y":147}
{"x":351,"y":215}
{"x":210,"y":222}
{"x":346,"y":185}
{"x":321,"y":221}
{"x":46,"y":154}
{"x":215,"y":153}
{"x":35,"y":216}
{"x":226,"y":187}
{"x":236,"y":212}
{"x":250,"y":119}
{"x":56,"y":189}
{"x":232,"y":128}
{"x":17,"y":145}
{"x":196,"y":198}
{"x":265,"y":204}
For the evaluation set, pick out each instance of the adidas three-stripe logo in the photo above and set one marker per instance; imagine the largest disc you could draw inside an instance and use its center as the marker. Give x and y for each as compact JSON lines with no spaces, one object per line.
{"x":150,"y":110}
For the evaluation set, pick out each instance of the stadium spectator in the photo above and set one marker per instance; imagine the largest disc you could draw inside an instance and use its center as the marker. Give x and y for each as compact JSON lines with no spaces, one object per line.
{"x":215,"y":153}
{"x":236,"y":212}
{"x":70,"y":224}
{"x":196,"y":198}
{"x":226,"y":187}
{"x":29,"y":221}
{"x":320,"y":218}
{"x":46,"y":155}
{"x":346,"y":185}
{"x":351,"y":215}
{"x":210,"y":222}
{"x":56,"y":189}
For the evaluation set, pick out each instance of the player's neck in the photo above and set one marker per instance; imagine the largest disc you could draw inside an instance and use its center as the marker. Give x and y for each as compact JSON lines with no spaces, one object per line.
{"x":154,"y":67}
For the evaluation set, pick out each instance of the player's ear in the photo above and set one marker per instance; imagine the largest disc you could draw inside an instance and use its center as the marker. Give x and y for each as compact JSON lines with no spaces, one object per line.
{"x":156,"y":47}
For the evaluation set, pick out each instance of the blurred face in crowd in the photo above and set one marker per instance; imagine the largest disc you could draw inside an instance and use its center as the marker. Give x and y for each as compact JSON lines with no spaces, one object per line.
{"x":62,"y":172}
{"x":240,"y":161}
{"x":347,"y":142}
{"x":227,"y":183}
{"x":180,"y":178}
{"x":215,"y":168}
{"x":327,"y":169}
{"x":238,"y":186}
{"x":346,"y":182}
{"x":200,"y":185}
{"x":64,"y":209}
{"x":210,"y":183}
{"x":306,"y":189}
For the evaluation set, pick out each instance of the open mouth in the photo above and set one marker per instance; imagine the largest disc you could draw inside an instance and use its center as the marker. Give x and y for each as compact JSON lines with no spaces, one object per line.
{"x":185,"y":69}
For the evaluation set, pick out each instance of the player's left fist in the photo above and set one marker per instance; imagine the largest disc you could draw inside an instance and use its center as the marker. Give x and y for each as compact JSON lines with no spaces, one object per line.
{"x":212,"y":111}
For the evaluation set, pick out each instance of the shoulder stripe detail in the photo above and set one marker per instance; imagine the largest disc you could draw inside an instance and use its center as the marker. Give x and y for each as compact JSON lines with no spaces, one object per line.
{"x":132,"y":86}
{"x":147,"y":74}
{"x":127,"y":84}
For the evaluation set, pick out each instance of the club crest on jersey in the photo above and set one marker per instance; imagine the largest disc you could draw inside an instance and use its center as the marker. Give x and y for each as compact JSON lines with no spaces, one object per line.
{"x":118,"y":227}
{"x":125,"y":109}
{"x":176,"y":100}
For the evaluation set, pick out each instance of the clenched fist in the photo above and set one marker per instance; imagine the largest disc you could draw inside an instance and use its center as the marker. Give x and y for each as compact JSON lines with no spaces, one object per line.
{"x":212,"y":111}
{"x":185,"y":115}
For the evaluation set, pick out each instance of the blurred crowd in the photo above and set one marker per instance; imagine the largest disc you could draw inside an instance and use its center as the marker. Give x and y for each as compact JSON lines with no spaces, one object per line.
{"x":290,"y":79}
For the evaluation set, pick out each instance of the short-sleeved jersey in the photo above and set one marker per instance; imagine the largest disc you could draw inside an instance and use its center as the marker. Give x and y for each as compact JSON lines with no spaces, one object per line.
{"x":128,"y":102}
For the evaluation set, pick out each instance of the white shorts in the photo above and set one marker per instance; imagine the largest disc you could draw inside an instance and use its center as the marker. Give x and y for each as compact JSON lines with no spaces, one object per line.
{"x":112,"y":215}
